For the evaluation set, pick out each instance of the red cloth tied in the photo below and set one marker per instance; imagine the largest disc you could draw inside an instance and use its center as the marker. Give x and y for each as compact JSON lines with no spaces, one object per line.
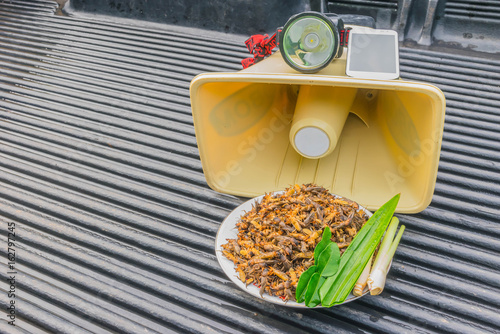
{"x":344,"y":37}
{"x":260,"y":46}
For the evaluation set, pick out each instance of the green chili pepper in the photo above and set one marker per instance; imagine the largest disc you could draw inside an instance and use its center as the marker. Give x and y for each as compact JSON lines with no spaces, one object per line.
{"x":302,"y":284}
{"x":328,"y":260}
{"x":325,"y":241}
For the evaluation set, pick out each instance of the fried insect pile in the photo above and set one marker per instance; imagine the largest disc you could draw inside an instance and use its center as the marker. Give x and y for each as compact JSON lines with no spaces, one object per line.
{"x":276,"y":239}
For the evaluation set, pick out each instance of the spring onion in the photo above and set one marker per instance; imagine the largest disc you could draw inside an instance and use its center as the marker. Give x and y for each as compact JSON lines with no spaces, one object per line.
{"x":337,"y":287}
{"x":362,"y":280}
{"x":376,"y":279}
{"x":386,"y":241}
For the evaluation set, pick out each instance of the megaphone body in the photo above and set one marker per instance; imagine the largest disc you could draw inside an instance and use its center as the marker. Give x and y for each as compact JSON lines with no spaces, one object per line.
{"x":267,"y":127}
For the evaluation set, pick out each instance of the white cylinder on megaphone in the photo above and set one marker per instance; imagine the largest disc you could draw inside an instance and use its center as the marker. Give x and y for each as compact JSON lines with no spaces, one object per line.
{"x":320,"y":115}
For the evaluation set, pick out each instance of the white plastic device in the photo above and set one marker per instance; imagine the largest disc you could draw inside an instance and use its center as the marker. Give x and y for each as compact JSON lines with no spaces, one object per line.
{"x":372,"y":54}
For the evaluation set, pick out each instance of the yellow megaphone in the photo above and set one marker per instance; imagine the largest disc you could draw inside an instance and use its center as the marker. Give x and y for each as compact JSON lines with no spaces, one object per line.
{"x":267,"y":127}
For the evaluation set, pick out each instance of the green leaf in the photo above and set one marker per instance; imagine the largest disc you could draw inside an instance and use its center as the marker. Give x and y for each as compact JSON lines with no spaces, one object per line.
{"x":312,"y":297}
{"x":325,"y":241}
{"x":329,"y":260}
{"x":303,"y":283}
{"x":336,"y":288}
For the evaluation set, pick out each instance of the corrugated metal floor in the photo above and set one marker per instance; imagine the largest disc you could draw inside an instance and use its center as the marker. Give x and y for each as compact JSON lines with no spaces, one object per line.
{"x":99,"y":170}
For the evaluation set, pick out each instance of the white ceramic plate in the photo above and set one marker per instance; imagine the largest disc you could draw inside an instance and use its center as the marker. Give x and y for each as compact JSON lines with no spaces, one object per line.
{"x":228,"y":230}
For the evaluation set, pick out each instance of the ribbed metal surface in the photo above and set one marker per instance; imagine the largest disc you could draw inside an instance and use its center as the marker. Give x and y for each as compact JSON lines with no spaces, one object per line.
{"x":481,"y":9}
{"x":393,"y":4}
{"x":99,"y":170}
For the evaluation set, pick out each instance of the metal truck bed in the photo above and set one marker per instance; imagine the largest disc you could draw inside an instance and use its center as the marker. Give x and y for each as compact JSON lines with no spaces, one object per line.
{"x":115,"y":224}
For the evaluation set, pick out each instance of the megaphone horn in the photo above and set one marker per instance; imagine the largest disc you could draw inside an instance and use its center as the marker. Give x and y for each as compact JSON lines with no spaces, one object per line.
{"x":267,"y":126}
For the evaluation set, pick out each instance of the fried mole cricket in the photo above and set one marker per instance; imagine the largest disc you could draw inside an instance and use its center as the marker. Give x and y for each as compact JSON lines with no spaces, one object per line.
{"x":277,"y":237}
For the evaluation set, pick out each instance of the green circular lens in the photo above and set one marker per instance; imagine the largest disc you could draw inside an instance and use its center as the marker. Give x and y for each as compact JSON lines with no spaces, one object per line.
{"x":309,"y":43}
